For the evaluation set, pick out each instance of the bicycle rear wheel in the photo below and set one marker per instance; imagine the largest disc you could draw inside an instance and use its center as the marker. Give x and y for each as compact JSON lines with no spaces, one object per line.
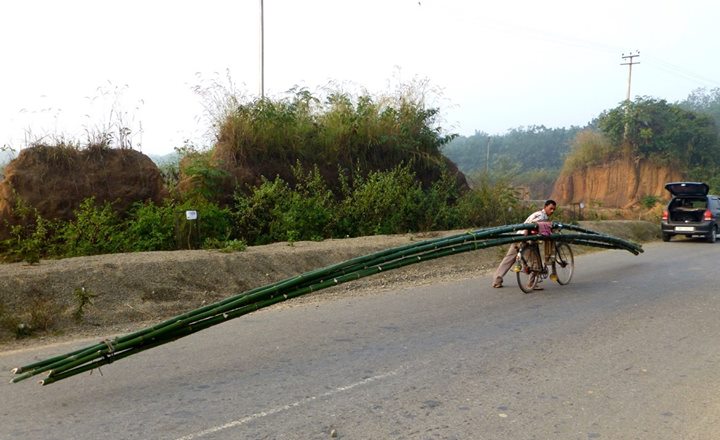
{"x":529,"y":265}
{"x":564,"y":264}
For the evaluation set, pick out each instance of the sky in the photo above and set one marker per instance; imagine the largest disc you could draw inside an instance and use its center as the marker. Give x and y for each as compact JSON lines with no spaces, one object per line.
{"x":75,"y":68}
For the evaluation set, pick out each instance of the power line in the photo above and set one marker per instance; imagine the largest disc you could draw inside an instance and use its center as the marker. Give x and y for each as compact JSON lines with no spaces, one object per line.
{"x":681,"y":71}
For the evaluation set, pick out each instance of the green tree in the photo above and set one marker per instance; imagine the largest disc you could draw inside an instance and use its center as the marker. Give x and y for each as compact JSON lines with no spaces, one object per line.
{"x":205,"y":177}
{"x":654,"y":129}
{"x":704,"y":101}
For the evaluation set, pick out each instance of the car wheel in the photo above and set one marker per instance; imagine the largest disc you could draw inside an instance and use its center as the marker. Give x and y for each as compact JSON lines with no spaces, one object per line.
{"x":712,"y":237}
{"x":666,"y":237}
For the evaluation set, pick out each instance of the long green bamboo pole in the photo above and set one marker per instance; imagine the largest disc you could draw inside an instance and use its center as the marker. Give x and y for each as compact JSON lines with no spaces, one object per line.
{"x":408,"y":254}
{"x":247,"y":309}
{"x":516,"y":240}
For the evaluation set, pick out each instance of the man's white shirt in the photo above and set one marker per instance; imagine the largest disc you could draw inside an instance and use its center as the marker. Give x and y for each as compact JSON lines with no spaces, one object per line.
{"x":538,"y":216}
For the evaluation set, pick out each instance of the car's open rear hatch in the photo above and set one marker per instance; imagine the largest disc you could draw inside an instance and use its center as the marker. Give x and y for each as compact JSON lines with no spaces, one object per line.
{"x":679,"y":189}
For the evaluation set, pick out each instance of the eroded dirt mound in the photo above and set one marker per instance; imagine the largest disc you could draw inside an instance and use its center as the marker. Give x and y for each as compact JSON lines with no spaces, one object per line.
{"x":618,"y":184}
{"x":56,"y":179}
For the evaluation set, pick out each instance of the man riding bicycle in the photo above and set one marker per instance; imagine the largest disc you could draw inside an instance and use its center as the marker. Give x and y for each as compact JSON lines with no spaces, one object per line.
{"x":542,"y":215}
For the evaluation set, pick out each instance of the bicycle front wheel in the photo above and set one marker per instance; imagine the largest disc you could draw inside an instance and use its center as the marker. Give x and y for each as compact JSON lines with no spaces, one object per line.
{"x":564,"y":264}
{"x":529,"y":268}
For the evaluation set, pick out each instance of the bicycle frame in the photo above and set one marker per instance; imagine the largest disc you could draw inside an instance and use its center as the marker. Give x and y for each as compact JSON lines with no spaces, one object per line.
{"x":531,"y":267}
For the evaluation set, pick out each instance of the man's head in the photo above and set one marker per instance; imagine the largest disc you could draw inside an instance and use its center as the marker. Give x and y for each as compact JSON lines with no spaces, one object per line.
{"x":550,"y":206}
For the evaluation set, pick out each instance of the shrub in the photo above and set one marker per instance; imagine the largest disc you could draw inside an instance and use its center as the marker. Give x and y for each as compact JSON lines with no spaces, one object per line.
{"x":489,"y":204}
{"x":95,"y":230}
{"x":213,"y":222}
{"x":32,"y":238}
{"x":83,"y":298}
{"x":439,"y":204}
{"x":206,"y":179}
{"x":225,"y":246}
{"x":276,"y":212}
{"x":256,"y":214}
{"x":42,"y":313}
{"x":150,"y":227}
{"x":308,"y":211}
{"x":386,"y":202}
{"x":648,"y":201}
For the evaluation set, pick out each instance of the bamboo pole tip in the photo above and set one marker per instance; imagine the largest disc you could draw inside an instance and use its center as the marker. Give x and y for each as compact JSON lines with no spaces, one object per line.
{"x":15,"y":370}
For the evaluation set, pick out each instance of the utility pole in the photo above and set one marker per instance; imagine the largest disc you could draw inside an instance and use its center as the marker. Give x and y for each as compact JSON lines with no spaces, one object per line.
{"x":262,"y":50}
{"x":487,"y":157}
{"x":630,"y":63}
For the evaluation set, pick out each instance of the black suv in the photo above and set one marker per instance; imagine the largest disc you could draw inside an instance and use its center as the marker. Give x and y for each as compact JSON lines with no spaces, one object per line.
{"x":691,"y":212}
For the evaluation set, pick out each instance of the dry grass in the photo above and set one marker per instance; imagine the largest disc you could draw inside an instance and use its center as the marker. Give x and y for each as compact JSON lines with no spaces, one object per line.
{"x":589,"y":147}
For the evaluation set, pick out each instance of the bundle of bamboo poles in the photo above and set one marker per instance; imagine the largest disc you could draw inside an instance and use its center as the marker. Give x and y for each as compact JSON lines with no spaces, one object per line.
{"x":107,"y":351}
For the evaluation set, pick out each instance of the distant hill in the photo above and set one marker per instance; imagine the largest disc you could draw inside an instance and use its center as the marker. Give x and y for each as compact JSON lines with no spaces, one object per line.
{"x":517,"y":151}
{"x":164,"y":159}
{"x":530,"y":157}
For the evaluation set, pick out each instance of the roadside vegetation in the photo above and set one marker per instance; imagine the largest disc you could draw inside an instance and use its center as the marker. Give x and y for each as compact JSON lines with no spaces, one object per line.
{"x":358,"y":165}
{"x":351,"y":166}
{"x":384,"y":202}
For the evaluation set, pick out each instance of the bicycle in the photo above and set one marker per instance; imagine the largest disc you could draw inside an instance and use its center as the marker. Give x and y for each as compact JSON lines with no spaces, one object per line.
{"x":531,"y":268}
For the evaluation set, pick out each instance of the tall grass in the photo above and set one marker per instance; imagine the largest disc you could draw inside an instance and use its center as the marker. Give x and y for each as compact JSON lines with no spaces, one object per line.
{"x":589,"y":147}
{"x":374,"y":132}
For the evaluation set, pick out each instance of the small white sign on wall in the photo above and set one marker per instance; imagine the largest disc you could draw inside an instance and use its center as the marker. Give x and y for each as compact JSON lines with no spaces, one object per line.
{"x":191,"y":215}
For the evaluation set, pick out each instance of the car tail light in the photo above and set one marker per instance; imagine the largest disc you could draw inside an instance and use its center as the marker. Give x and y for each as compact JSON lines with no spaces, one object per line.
{"x":665,"y":215}
{"x":708,"y":215}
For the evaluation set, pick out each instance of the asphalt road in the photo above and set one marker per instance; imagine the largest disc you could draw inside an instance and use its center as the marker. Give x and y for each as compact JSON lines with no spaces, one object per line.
{"x":629,"y":350}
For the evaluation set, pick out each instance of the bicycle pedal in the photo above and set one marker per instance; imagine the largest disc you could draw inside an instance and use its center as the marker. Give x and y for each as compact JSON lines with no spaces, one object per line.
{"x":516,"y":268}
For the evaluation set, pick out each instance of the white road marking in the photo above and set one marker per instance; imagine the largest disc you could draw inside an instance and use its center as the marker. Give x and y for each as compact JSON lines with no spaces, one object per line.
{"x":244,"y":420}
